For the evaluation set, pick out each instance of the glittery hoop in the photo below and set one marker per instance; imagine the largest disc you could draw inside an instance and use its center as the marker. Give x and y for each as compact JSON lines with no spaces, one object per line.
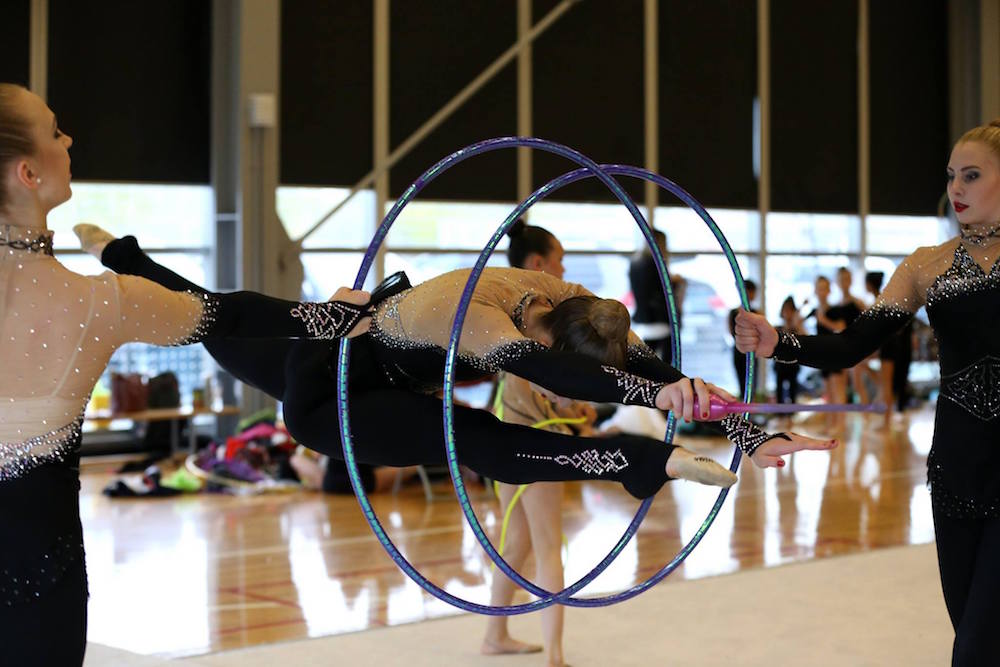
{"x":590,"y":169}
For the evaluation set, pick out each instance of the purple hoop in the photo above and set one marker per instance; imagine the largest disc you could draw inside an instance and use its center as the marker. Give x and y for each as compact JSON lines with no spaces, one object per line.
{"x":546,"y":599}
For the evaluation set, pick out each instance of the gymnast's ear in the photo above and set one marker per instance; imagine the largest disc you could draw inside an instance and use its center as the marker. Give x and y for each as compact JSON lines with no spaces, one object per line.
{"x":534,"y":262}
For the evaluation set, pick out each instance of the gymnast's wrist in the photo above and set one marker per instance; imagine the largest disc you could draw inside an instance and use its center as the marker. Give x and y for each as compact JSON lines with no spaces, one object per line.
{"x":788,"y":348}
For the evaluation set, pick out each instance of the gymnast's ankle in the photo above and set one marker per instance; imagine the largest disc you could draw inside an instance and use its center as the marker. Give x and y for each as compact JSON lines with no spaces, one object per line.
{"x":121,"y":255}
{"x":93,"y":239}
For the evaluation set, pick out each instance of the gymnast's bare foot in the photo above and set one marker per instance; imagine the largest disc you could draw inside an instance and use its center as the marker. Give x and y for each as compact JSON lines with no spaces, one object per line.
{"x":685,"y":464}
{"x":92,"y":238}
{"x":507,"y":646}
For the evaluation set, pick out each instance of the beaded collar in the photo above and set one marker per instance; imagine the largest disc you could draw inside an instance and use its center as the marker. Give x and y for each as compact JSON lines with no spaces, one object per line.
{"x":980,"y":238}
{"x":28,"y":239}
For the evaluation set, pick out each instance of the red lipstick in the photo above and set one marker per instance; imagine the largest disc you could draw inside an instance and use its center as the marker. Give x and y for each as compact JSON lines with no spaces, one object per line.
{"x":959,"y":207}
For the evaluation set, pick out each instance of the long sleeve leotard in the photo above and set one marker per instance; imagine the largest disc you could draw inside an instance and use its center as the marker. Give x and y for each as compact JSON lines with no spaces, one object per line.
{"x":412,"y":331}
{"x":959,"y":283}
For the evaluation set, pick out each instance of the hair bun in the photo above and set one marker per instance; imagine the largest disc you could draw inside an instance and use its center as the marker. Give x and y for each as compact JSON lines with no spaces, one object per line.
{"x":609,"y":318}
{"x":517,"y":228}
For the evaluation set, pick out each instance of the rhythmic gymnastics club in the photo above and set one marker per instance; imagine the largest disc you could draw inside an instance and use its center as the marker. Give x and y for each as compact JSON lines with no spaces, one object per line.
{"x":720,"y":407}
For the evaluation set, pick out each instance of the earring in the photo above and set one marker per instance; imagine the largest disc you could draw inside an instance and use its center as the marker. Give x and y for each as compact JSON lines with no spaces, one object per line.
{"x":38,"y":180}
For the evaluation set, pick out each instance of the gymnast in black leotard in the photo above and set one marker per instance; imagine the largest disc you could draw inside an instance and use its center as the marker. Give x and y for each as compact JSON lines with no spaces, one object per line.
{"x":553,"y":333}
{"x":959,"y":284}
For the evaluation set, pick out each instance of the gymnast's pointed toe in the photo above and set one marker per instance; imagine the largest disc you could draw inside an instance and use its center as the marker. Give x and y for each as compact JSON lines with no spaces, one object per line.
{"x":92,"y":238}
{"x":684,"y":464}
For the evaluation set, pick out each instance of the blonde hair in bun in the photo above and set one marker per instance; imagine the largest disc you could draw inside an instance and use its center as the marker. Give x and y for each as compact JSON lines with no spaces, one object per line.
{"x":988,"y":135}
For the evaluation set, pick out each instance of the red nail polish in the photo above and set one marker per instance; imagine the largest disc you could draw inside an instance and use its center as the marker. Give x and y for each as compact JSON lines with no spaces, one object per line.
{"x":781,"y":463}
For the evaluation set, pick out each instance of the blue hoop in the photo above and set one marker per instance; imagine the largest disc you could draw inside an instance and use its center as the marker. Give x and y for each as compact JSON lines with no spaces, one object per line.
{"x":590,"y":169}
{"x":457,"y":481}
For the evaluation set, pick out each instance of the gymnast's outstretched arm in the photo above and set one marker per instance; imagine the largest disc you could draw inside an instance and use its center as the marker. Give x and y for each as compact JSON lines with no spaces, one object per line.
{"x":581,"y":377}
{"x":256,"y":361}
{"x":893,"y":309}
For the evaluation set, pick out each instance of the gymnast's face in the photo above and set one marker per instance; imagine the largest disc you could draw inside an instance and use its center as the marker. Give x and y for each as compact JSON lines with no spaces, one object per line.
{"x":844,"y":281}
{"x":822,"y":288}
{"x":551,"y":262}
{"x":974,"y":184}
{"x":50,"y":163}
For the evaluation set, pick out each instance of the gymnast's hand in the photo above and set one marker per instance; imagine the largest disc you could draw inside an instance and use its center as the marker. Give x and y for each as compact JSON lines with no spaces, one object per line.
{"x":679,"y":397}
{"x":769,"y":454}
{"x":755,"y":334}
{"x":357,"y":298}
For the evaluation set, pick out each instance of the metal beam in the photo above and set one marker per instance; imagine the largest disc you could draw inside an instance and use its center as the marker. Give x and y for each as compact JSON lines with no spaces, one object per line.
{"x":652,"y":92}
{"x":38,"y":49}
{"x":380,"y":119}
{"x":444,"y":112}
{"x":524,"y":100}
{"x":864,"y":126}
{"x":989,"y":64}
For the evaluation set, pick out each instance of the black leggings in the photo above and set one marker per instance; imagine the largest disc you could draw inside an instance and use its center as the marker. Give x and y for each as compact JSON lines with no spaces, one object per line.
{"x":786,"y":373}
{"x":396,"y":427}
{"x":968,"y":552}
{"x":43,"y":594}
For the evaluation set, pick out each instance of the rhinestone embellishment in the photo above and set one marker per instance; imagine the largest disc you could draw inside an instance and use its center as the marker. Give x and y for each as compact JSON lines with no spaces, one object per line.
{"x":975,"y":388}
{"x":19,"y":458}
{"x":31,"y":240}
{"x":590,"y":461}
{"x":636,"y":390}
{"x":965,"y":276}
{"x":328,"y":321}
{"x":744,"y":433}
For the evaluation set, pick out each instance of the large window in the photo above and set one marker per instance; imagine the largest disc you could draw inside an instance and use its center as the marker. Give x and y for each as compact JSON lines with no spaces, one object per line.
{"x":174,"y":224}
{"x":432,"y":237}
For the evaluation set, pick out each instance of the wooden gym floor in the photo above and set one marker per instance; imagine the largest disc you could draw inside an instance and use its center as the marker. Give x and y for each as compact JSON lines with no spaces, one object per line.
{"x":203,"y":573}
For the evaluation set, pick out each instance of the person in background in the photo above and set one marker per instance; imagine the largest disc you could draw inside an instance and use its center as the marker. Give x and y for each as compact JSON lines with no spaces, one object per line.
{"x":834,"y":381}
{"x":535,"y":522}
{"x":787,"y":375}
{"x":321,"y":473}
{"x":651,"y":320}
{"x":845,"y":313}
{"x":898,"y":348}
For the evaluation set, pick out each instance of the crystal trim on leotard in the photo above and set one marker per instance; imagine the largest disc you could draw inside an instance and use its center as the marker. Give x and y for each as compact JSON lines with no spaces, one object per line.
{"x":19,"y":458}
{"x":963,"y":277}
{"x":24,"y":584}
{"x":590,"y":461}
{"x":206,"y":321}
{"x":330,"y":320}
{"x":745,"y":434}
{"x":975,"y":388}
{"x":29,"y":239}
{"x":635,"y":390}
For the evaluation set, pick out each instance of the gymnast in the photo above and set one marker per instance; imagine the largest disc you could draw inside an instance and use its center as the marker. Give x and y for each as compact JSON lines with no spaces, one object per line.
{"x":535,"y":510}
{"x":58,"y":330}
{"x":555,"y":334}
{"x":959,"y":283}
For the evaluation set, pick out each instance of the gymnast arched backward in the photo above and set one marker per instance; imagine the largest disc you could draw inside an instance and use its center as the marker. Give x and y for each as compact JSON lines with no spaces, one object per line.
{"x":517,"y":323}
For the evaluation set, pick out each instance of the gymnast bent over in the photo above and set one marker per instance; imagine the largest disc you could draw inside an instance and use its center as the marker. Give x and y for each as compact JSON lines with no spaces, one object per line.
{"x":554,"y":334}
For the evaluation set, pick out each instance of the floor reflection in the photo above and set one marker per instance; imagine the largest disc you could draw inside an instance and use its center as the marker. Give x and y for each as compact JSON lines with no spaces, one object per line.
{"x":206,"y":573}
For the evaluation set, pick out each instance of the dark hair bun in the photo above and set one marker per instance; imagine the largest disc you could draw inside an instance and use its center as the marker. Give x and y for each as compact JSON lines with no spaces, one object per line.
{"x":517,"y":228}
{"x":609,"y":318}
